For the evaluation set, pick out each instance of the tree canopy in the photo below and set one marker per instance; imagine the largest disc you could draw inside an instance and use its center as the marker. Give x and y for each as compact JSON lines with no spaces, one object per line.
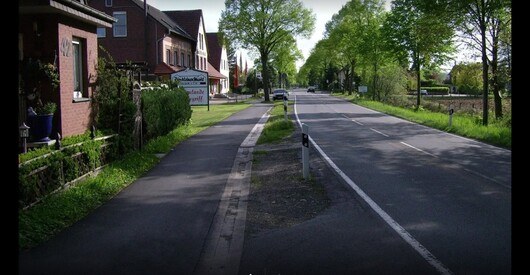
{"x":263,"y":25}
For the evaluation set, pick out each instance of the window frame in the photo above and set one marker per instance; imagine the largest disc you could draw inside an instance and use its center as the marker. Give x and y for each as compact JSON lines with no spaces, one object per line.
{"x":104,"y":32}
{"x":79,"y":92}
{"x":114,"y":25}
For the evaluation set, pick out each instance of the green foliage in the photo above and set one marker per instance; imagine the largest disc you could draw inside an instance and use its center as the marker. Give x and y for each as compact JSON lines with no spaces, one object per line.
{"x":164,"y":109}
{"x":467,"y":78}
{"x":262,"y":26}
{"x":46,"y":109}
{"x":41,"y":176}
{"x":390,"y":80}
{"x":276,"y":128}
{"x":112,"y":105}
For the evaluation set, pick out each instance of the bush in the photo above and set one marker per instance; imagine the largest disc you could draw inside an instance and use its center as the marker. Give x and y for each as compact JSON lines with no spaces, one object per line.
{"x":164,"y":108}
{"x":112,"y":104}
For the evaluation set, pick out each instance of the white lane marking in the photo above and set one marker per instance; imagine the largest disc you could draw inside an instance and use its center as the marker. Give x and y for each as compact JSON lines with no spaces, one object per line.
{"x":356,"y":121}
{"x":428,"y":256}
{"x":379,"y":132}
{"x":418,"y":149}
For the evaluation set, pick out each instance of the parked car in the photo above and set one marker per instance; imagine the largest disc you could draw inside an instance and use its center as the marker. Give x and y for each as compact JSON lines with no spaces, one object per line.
{"x":279,"y":94}
{"x":424,"y":92}
{"x":311,"y":89}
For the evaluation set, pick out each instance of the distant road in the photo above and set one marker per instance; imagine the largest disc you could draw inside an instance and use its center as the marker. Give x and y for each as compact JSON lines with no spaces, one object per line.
{"x":451,"y":194}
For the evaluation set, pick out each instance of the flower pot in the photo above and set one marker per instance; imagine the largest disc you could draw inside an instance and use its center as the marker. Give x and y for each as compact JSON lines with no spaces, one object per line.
{"x":40,"y":127}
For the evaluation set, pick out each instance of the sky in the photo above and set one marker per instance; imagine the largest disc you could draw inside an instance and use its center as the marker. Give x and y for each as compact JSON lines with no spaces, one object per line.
{"x":211,"y":11}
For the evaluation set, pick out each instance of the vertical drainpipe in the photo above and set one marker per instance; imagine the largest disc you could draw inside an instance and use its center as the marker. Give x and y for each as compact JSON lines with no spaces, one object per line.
{"x":145,"y":30}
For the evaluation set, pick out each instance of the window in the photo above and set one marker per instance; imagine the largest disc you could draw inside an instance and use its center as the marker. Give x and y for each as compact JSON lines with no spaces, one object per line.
{"x":201,"y":44}
{"x":189,"y":61}
{"x":196,"y":62}
{"x":120,"y":28}
{"x":108,"y":3}
{"x":182,"y":60}
{"x":175,"y":58}
{"x":168,"y":56}
{"x":102,"y":32}
{"x":77,"y":55}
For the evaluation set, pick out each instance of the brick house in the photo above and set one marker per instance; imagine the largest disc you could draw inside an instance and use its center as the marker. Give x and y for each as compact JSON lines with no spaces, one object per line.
{"x":192,"y":22}
{"x":61,"y":33}
{"x":218,"y":58}
{"x":145,"y":34}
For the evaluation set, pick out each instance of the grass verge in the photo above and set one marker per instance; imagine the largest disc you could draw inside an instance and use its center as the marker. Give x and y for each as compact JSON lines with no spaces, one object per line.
{"x":62,"y":209}
{"x":463,"y":125}
{"x":277,"y":128}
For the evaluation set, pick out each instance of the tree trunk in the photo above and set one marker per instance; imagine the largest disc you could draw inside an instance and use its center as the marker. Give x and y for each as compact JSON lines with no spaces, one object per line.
{"x":495,"y":78}
{"x":375,"y":81}
{"x":264,"y":58}
{"x":418,"y":82}
{"x":485,"y":86}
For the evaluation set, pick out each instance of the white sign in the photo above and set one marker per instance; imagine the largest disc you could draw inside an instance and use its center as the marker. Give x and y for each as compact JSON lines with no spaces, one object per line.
{"x":195,"y":82}
{"x":363,"y":89}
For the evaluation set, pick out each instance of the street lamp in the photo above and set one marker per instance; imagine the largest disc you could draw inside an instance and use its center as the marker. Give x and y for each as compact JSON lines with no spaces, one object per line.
{"x":23,"y":131}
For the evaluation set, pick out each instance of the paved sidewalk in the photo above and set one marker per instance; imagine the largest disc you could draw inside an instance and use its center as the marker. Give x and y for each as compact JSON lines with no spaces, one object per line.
{"x":158,"y":224}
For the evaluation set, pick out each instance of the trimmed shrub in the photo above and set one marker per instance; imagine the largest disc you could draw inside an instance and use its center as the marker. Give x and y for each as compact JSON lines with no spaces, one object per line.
{"x":164,"y":108}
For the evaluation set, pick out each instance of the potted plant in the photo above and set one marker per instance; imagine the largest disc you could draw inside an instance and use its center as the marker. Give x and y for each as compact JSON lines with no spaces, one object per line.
{"x":40,"y":121}
{"x":39,"y":80}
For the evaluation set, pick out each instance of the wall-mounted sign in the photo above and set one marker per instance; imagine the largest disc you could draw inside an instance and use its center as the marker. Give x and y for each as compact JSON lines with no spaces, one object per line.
{"x":195,"y":82}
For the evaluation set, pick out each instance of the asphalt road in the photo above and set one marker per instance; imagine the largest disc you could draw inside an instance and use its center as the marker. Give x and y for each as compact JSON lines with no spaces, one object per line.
{"x":451,"y":194}
{"x":159,"y":223}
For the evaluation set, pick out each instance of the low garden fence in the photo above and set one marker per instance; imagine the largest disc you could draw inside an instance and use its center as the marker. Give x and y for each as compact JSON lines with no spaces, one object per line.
{"x":59,"y":169}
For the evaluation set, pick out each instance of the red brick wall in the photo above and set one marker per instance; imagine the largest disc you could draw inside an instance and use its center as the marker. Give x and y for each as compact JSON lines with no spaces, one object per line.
{"x":132,"y":47}
{"x":74,"y":117}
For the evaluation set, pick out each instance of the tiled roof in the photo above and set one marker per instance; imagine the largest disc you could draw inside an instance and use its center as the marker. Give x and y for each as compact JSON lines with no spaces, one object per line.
{"x":188,"y":19}
{"x":165,"y":69}
{"x":214,"y":49}
{"x":166,"y":21}
{"x":213,"y":73}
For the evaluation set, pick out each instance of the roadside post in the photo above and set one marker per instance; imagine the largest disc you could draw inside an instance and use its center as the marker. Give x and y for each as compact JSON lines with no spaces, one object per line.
{"x":451,"y":111}
{"x":285,"y":107}
{"x":305,"y":150}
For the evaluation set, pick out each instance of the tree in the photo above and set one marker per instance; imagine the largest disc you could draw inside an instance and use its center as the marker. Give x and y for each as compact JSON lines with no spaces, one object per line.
{"x":467,"y":78}
{"x":284,"y":58}
{"x":264,"y":24}
{"x":419,"y":32}
{"x":351,"y":32}
{"x":484,"y":23}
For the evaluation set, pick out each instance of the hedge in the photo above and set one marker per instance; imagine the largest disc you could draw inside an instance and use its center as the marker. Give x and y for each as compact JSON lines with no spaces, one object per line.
{"x":164,"y":108}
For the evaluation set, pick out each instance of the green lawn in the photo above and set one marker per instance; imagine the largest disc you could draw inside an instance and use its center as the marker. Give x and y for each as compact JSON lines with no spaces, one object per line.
{"x":62,"y":209}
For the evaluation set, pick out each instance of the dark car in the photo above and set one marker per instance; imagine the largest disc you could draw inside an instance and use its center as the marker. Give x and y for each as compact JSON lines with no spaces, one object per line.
{"x":279,"y":94}
{"x":311,"y":89}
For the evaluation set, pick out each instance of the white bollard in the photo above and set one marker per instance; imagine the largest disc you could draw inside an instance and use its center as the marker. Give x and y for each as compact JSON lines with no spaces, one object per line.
{"x":305,"y":150}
